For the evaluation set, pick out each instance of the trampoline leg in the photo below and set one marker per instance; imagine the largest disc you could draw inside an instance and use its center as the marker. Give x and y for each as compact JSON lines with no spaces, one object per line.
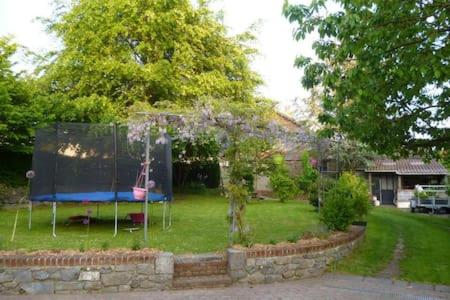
{"x":30,"y":209}
{"x":170,"y":215}
{"x":115,"y":219}
{"x":98,"y":211}
{"x":54,"y":219}
{"x":164,"y":216}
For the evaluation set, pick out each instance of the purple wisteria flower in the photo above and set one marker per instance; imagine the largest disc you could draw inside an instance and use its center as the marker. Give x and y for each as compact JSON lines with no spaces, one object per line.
{"x":226,"y":127}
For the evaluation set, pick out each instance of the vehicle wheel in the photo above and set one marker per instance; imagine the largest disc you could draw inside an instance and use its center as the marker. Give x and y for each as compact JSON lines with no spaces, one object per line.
{"x":413,"y":209}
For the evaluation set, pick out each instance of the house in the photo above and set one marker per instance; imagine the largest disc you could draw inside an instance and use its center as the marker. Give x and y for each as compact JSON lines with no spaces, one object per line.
{"x":291,"y":155}
{"x":393,"y":182}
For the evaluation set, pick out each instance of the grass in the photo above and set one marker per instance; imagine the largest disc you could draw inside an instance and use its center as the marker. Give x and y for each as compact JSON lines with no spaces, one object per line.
{"x":198,"y":225}
{"x":426,"y":238}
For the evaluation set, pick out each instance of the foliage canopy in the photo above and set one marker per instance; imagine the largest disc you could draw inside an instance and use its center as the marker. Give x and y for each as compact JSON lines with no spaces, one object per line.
{"x":153,"y":51}
{"x":383,"y":70}
{"x":19,"y":113}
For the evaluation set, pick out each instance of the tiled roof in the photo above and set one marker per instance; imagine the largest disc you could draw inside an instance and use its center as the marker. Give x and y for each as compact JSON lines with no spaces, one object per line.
{"x":287,"y":122}
{"x":410,"y":166}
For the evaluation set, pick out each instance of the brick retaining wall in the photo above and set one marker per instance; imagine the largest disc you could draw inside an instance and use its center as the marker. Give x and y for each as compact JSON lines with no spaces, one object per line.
{"x":85,"y":273}
{"x":293,"y":261}
{"x":200,"y":265}
{"x":62,"y":272}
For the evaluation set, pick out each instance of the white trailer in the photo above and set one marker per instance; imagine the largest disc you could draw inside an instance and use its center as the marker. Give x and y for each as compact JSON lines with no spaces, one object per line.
{"x":432,"y":197}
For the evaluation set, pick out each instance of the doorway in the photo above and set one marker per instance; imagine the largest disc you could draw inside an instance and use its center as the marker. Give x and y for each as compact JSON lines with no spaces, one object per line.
{"x":383,"y":187}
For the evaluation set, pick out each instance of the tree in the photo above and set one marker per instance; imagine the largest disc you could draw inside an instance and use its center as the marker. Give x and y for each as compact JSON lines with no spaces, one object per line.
{"x":154,"y":51}
{"x":383,"y":68}
{"x":350,"y":155}
{"x":308,"y":110}
{"x":19,"y":112}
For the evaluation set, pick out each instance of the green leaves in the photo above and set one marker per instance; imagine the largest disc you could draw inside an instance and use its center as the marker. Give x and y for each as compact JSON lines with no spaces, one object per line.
{"x":151,"y":50}
{"x":281,"y":183}
{"x":345,"y":202}
{"x":308,"y":175}
{"x":383,"y":69}
{"x":19,"y":112}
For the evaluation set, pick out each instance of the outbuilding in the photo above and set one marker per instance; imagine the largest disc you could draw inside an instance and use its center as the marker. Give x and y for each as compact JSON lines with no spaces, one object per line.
{"x":393,"y":181}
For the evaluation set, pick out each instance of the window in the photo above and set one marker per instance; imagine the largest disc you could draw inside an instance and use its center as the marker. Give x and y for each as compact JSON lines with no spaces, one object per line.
{"x":410,"y":181}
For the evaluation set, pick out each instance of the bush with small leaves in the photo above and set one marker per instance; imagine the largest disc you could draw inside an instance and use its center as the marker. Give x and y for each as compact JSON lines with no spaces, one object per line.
{"x":136,"y":244}
{"x":105,"y":245}
{"x":346,"y":202}
{"x":324,"y":184}
{"x":308,"y":176}
{"x":282,"y":184}
{"x":293,"y":238}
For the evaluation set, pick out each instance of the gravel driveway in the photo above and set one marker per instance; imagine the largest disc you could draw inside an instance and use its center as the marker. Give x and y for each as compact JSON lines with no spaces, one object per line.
{"x":329,"y":286}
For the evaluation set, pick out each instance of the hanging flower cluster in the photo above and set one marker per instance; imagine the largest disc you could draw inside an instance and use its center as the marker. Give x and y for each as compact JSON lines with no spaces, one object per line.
{"x":205,"y":120}
{"x":245,"y":134}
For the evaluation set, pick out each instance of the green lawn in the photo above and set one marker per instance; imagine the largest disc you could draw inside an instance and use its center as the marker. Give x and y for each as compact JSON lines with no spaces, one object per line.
{"x":198,"y":225}
{"x":426,"y":240}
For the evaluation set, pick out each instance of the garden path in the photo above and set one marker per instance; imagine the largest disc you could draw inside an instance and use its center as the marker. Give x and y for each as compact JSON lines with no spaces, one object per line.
{"x":392,"y":270}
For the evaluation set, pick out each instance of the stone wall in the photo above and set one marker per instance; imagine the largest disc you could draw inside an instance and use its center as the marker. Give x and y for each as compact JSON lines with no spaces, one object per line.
{"x":117,"y":271}
{"x":12,"y":196}
{"x":89,"y":273}
{"x":292,"y":261}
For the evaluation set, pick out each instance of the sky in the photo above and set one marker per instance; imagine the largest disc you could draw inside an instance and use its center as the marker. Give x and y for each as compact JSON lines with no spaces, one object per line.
{"x":277,"y":49}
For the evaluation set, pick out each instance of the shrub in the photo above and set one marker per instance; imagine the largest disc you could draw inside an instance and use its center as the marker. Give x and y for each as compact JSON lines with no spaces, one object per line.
{"x":324,"y":183}
{"x":12,"y":195}
{"x":136,"y":244}
{"x":104,"y":246}
{"x":345,"y":202}
{"x":308,"y":177}
{"x":293,"y":238}
{"x":282,"y":184}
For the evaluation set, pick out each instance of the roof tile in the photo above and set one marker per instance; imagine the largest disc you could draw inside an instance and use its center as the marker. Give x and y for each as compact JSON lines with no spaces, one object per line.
{"x":410,"y":166}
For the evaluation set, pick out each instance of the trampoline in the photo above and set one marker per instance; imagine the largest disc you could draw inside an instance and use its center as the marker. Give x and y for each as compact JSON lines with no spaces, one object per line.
{"x":76,"y":162}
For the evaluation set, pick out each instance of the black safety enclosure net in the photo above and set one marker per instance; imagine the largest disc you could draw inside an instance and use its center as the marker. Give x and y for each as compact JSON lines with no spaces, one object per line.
{"x":74,"y":162}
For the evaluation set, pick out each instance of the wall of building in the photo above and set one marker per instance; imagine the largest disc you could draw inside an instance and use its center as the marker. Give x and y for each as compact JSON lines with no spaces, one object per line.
{"x":403,"y":198}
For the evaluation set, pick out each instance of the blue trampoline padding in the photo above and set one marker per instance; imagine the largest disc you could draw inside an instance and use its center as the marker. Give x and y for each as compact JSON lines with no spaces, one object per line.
{"x":97,"y":197}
